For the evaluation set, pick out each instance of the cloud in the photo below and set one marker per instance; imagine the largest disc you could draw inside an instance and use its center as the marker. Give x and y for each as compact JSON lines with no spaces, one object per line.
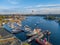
{"x":13,"y":1}
{"x":43,"y":6}
{"x":38,"y":9}
{"x":28,"y":7}
{"x":49,"y":5}
{"x":45,"y":9}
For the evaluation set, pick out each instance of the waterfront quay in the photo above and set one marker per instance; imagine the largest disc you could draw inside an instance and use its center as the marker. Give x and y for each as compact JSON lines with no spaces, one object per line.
{"x":7,"y":38}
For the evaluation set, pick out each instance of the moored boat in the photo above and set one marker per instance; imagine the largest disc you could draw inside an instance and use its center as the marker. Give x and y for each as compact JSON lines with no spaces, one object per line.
{"x":34,"y":32}
{"x":42,"y":42}
{"x":14,"y":31}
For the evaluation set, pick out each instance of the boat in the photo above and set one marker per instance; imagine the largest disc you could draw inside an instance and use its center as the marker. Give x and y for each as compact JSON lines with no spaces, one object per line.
{"x":47,"y":32}
{"x":19,"y":24}
{"x":15,"y":31}
{"x":42,"y":42}
{"x":27,"y":28}
{"x":34,"y":32}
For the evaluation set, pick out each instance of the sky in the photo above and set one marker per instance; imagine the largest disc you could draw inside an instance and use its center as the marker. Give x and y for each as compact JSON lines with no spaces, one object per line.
{"x":26,"y":6}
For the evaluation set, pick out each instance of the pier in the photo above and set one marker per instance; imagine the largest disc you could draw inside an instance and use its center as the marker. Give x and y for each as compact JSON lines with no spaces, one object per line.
{"x":16,"y":29}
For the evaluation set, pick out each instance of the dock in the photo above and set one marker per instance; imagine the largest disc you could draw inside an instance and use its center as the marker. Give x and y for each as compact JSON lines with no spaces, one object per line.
{"x":17,"y":29}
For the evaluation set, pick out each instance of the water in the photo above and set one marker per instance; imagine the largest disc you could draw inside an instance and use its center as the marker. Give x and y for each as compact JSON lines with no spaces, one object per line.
{"x":40,"y":22}
{"x":44,"y":24}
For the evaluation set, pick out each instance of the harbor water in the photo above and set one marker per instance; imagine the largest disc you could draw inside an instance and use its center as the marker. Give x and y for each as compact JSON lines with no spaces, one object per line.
{"x":40,"y":22}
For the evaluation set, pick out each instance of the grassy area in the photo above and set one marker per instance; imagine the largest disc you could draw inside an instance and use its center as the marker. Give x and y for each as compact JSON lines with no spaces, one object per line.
{"x":26,"y":44}
{"x":50,"y":17}
{"x":4,"y":19}
{"x":53,"y":18}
